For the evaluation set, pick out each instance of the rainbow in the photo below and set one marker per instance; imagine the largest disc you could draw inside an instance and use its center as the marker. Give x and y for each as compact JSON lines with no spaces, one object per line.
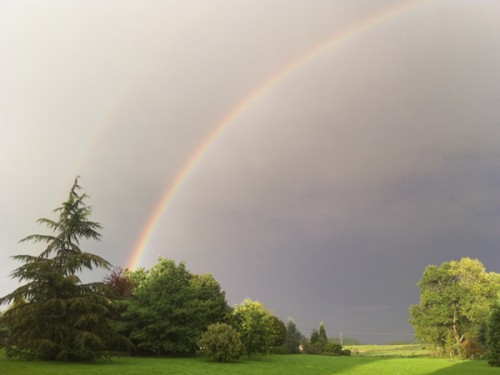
{"x":265,"y":86}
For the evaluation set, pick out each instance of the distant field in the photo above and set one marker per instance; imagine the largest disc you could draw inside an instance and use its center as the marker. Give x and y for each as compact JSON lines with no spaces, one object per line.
{"x":403,"y":350}
{"x":272,"y":365}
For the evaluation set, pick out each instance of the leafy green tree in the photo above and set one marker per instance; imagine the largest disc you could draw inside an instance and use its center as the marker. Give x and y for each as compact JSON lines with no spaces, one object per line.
{"x":209,"y":304}
{"x":170,"y":308}
{"x":221,"y":342}
{"x":293,"y":337}
{"x":455,"y":301}
{"x":493,"y":335}
{"x":255,"y":325}
{"x":278,"y":331}
{"x":54,"y":316}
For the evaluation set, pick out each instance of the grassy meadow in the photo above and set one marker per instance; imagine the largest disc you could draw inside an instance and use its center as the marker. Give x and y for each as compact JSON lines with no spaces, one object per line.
{"x":401,"y":350}
{"x":300,"y":364}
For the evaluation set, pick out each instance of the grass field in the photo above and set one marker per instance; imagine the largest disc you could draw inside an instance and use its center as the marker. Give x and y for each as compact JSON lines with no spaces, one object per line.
{"x":271,"y":365}
{"x":402,"y":350}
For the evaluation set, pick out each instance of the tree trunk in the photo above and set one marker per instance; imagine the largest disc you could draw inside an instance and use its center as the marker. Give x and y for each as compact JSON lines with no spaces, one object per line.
{"x":456,"y":334}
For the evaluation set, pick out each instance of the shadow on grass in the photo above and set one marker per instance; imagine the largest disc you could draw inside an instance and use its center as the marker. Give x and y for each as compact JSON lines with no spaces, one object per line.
{"x":269,"y":365}
{"x":470,"y":367}
{"x":300,"y":364}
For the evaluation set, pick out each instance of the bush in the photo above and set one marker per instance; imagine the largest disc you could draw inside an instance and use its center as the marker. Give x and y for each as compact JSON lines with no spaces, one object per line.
{"x":471,"y":348}
{"x":329,"y":348}
{"x":316,"y":348}
{"x":333,"y":348}
{"x":221,"y":342}
{"x":282,"y":349}
{"x":346,"y":352}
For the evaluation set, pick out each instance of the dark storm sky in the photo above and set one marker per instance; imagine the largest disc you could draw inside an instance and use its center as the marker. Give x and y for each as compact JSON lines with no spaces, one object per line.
{"x":325,"y":199}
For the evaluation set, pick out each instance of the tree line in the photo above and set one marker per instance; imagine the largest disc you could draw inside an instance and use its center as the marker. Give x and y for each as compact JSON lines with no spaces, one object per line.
{"x":161,"y":311}
{"x":169,"y":310}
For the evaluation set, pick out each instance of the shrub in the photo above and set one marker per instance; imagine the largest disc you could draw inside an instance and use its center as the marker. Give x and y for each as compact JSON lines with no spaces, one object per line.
{"x":471,"y":348}
{"x":282,"y":349}
{"x":333,"y":348}
{"x":221,"y":342}
{"x":316,"y":348}
{"x":346,"y":352}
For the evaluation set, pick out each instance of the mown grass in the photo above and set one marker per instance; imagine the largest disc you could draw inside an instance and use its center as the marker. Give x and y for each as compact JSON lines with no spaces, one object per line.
{"x":402,"y":350}
{"x":271,"y":365}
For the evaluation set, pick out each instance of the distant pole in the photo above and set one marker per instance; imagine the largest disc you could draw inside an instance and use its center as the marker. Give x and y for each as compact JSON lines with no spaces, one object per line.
{"x":340,"y":337}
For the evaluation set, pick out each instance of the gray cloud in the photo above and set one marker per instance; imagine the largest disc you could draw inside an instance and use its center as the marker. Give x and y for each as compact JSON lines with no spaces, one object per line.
{"x":325,"y":199}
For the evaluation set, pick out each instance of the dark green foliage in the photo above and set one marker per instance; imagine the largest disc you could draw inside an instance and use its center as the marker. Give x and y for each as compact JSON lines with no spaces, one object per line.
{"x":54,"y":316}
{"x":209,"y":305}
{"x":321,"y":344}
{"x":3,"y":332}
{"x":322,"y":332}
{"x":323,"y":339}
{"x":346,"y":352}
{"x":221,"y":342}
{"x":120,"y":287}
{"x":313,"y":348}
{"x":278,"y":331}
{"x":318,"y":340}
{"x":314,"y":336}
{"x":170,"y":308}
{"x":282,"y":349}
{"x":332,"y":347}
{"x":493,"y":335}
{"x":293,"y":337}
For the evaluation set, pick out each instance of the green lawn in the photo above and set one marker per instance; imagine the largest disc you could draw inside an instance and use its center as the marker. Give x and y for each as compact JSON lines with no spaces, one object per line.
{"x":272,"y":365}
{"x":402,"y":350}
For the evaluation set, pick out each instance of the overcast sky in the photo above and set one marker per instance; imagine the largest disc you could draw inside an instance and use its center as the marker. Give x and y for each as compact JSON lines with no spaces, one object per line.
{"x":325,"y":199}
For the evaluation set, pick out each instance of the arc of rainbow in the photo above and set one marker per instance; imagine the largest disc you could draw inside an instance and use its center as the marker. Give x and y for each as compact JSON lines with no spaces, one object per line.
{"x":265,"y":86}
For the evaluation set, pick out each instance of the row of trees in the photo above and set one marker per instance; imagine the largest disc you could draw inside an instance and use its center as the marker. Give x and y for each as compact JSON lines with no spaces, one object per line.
{"x":164,"y":310}
{"x":250,"y":329}
{"x":320,"y":343}
{"x":169,"y":310}
{"x":458,"y":309}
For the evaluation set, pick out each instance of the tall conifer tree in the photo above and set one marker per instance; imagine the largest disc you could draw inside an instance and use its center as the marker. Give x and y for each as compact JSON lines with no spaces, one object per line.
{"x":54,"y":316}
{"x":322,"y":332}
